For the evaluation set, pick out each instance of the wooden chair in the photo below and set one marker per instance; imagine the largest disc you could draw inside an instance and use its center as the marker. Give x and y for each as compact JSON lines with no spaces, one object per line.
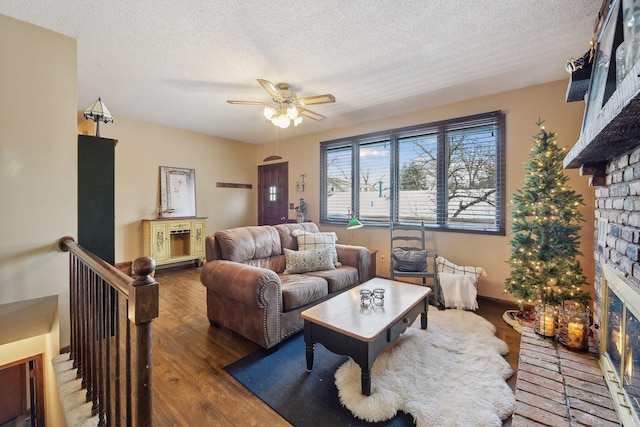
{"x":412,"y":238}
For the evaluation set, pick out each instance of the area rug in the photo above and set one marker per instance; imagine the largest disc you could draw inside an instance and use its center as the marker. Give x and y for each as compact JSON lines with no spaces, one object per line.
{"x":303,"y":399}
{"x":454,"y":348}
{"x":452,"y":374}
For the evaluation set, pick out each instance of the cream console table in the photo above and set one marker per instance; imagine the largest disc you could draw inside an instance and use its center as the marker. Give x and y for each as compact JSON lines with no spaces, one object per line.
{"x":174,"y":240}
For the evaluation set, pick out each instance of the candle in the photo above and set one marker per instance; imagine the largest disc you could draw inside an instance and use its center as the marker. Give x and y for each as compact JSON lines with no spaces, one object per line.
{"x":575,"y":335}
{"x":547,"y":326}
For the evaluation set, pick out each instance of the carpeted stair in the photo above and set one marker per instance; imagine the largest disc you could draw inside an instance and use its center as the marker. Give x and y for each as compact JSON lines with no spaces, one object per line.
{"x":72,"y":396}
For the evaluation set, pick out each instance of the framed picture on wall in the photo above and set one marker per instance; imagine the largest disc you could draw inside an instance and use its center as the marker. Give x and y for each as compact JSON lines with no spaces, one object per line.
{"x":603,"y":74}
{"x":177,"y":192}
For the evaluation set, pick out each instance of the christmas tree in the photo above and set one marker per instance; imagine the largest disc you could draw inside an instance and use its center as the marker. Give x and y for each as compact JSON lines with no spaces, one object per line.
{"x":546,"y":215}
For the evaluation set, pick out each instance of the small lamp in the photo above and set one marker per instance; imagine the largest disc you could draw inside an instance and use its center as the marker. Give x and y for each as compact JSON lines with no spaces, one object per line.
{"x":354,"y":223}
{"x":98,"y":112}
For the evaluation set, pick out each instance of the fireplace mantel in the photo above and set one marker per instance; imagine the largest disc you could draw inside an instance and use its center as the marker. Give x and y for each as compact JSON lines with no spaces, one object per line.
{"x":615,"y":130}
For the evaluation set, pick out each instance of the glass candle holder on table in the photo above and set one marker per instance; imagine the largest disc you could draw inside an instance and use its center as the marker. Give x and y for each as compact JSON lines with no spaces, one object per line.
{"x":378,"y":297}
{"x":365,"y":297}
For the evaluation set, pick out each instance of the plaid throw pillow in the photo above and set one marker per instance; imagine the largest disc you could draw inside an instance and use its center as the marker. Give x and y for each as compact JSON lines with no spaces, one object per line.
{"x":446,"y":266}
{"x":308,"y":241}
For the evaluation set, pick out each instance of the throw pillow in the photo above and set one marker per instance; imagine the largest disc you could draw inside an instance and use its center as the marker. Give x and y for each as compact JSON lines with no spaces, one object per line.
{"x":308,"y":241}
{"x":409,"y":260}
{"x":446,"y":266}
{"x":312,"y":260}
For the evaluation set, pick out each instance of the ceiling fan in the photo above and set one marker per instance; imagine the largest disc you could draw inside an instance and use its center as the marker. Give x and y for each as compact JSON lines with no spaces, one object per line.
{"x":286,"y":107}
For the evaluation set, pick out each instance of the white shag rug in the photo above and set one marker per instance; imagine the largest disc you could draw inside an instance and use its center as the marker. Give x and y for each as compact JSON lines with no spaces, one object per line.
{"x":451,"y":374}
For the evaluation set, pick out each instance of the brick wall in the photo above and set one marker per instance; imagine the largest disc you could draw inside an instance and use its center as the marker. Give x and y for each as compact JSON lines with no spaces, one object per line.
{"x":618,"y":202}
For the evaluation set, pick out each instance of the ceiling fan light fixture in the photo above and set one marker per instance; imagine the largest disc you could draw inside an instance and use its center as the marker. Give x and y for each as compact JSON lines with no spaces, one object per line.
{"x":269,"y":112}
{"x":285,"y":106}
{"x":292,"y":112}
{"x":283,"y":121}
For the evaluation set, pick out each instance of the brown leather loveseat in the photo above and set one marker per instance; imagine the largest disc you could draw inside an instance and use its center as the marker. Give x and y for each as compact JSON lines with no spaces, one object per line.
{"x":250,"y":289}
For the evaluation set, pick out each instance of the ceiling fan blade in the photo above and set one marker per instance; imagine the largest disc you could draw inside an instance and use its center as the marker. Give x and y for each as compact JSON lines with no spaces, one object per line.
{"x":231,"y":101}
{"x":270,"y":88}
{"x":311,"y":114}
{"x":317,"y":99}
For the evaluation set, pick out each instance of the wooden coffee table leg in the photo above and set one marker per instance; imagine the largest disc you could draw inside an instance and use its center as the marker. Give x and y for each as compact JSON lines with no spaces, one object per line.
{"x":423,"y":315}
{"x":365,"y":381}
{"x":308,"y":340}
{"x":309,"y":357}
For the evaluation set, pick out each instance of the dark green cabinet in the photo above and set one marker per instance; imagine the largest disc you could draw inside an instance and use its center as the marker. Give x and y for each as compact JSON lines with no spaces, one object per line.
{"x":96,"y":207}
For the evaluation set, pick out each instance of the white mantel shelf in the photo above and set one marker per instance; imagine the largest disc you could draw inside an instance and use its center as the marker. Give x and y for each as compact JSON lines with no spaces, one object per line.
{"x":615,"y":130}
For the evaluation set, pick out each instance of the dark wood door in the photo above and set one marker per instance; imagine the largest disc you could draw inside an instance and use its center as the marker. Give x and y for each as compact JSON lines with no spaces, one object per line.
{"x":273,"y":193}
{"x":13,"y":393}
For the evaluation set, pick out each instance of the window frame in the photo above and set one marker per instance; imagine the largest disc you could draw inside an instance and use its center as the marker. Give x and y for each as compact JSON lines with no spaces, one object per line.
{"x":394,"y":136}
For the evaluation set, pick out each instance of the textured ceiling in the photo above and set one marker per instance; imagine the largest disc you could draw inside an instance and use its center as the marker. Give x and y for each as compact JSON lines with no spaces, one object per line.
{"x":177,"y":62}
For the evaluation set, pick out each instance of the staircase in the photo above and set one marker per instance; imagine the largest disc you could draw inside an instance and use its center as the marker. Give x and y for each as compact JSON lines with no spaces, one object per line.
{"x":72,"y":395}
{"x":106,"y":378}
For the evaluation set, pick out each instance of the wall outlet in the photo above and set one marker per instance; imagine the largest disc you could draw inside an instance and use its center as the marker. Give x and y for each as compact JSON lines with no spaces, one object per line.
{"x":381,"y":259}
{"x":291,"y":206}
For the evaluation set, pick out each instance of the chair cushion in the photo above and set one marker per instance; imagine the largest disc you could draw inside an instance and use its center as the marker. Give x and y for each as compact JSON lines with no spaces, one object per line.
{"x":307,"y":241}
{"x":312,"y":260}
{"x":338,"y":279}
{"x":299,"y":290}
{"x":409,"y":260}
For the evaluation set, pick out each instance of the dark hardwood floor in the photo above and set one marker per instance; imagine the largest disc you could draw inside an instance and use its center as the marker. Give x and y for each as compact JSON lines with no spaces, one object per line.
{"x":190,"y":386}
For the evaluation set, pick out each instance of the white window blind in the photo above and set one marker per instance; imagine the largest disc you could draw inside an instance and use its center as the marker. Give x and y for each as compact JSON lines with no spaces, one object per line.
{"x":338,"y":182}
{"x":375,"y":181}
{"x":449,"y":175}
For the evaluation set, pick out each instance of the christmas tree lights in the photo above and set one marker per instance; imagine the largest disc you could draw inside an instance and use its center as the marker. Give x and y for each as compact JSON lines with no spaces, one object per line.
{"x":546,"y":227}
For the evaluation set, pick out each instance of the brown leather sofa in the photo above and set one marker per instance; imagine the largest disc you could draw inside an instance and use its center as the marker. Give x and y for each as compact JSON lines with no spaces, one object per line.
{"x":248,"y":292}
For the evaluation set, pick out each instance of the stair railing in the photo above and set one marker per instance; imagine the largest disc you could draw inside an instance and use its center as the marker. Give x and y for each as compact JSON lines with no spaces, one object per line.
{"x":110,"y":318}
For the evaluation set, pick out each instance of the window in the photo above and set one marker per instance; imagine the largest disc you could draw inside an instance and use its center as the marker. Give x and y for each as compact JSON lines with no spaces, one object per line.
{"x":448,"y":174}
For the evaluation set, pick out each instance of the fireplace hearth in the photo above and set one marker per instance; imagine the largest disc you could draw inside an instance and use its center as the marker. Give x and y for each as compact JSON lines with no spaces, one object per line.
{"x":620,"y":344}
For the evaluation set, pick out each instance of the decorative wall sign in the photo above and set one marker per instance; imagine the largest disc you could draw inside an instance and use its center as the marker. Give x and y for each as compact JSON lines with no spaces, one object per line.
{"x":177,"y":192}
{"x":233,"y":185}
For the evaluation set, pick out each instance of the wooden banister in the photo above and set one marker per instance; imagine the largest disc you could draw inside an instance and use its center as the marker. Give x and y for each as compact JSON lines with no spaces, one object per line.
{"x":109,"y":311}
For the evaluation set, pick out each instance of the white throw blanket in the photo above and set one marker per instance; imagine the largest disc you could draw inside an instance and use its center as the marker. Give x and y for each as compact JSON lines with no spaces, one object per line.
{"x":459,"y":284}
{"x":459,"y":291}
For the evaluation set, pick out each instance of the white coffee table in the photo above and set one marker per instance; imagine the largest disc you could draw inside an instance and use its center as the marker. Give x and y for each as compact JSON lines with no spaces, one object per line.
{"x":343,"y":326}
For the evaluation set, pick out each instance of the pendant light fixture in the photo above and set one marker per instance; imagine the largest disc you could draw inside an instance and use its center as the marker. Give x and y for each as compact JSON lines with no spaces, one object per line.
{"x":277,"y":156}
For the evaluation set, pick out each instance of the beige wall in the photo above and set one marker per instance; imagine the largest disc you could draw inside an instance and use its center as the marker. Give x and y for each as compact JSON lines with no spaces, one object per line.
{"x":522,"y":108}
{"x":37,"y":179}
{"x":144,"y":147}
{"x":38,"y":145}
{"x":38,"y":155}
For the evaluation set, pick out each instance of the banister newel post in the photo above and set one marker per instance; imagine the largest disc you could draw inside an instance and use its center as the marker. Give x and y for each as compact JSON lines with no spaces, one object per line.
{"x":143,"y":308}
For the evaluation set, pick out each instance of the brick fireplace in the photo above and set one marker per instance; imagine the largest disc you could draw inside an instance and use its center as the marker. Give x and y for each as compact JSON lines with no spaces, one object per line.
{"x":617,"y":281}
{"x":618,"y":226}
